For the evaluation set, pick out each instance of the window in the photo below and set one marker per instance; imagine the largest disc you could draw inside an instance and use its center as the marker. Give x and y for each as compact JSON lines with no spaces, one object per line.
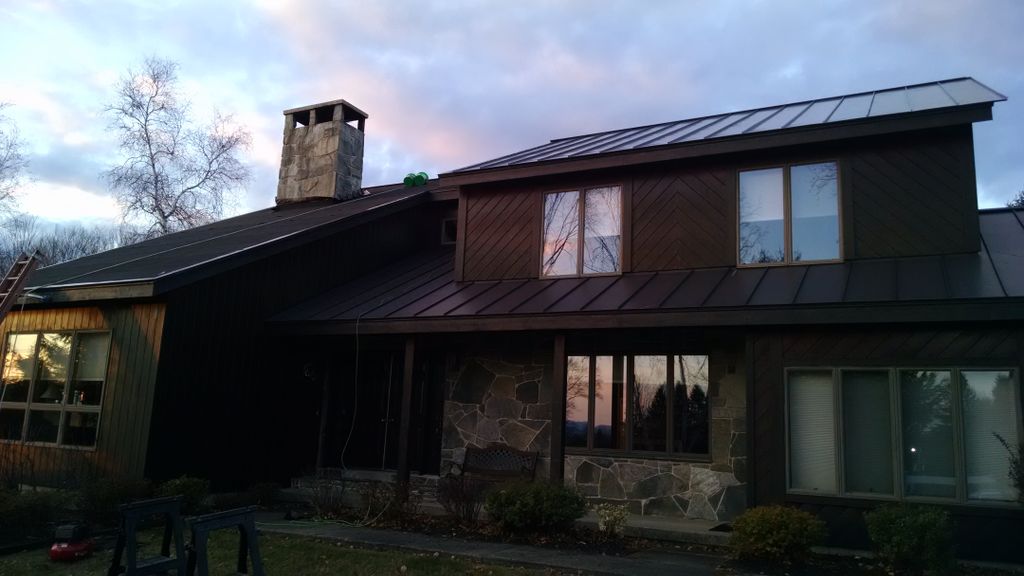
{"x":930,"y":433}
{"x":449,"y":231}
{"x":52,"y":387}
{"x":789,"y":214}
{"x":638,"y":403}
{"x":582,"y":232}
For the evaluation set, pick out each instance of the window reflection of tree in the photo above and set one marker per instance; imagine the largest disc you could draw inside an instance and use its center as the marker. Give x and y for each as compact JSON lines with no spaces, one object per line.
{"x":650,"y":405}
{"x":690,"y":410}
{"x":51,"y":367}
{"x":561,"y":225}
{"x":601,"y":251}
{"x":577,"y":390}
{"x":927,"y":431}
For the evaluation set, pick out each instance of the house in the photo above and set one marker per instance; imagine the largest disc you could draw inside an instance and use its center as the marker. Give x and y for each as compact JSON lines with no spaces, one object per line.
{"x":798,"y":304}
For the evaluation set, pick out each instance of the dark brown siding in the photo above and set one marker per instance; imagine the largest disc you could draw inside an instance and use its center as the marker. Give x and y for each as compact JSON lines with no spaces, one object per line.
{"x":136,"y":332}
{"x":502,"y":234}
{"x":684,"y":218}
{"x":914,"y":195}
{"x":981,"y":533}
{"x":902,"y":195}
{"x":234,"y":403}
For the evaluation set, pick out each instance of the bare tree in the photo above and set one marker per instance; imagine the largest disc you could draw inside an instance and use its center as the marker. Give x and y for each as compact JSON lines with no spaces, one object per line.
{"x":57,"y":243}
{"x":1017,"y":201}
{"x":12,"y":163}
{"x":175,"y":175}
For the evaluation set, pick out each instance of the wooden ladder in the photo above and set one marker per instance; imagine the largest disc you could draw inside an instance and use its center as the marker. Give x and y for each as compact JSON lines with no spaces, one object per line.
{"x":14,"y":281}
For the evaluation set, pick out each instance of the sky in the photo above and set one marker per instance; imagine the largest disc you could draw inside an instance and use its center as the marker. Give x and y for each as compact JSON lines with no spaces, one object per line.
{"x":451,"y":83}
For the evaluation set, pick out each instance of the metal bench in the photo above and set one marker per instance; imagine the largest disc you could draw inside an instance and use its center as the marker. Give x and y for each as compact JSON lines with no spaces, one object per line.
{"x":496,"y":463}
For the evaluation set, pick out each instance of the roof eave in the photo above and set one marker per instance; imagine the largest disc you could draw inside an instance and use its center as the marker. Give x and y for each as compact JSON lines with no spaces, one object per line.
{"x":812,"y":134}
{"x":867,"y":313}
{"x":92,"y":292}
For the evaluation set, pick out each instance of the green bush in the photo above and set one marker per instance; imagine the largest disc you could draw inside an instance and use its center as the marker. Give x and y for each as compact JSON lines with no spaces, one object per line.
{"x":911,"y":539}
{"x":99,"y":499}
{"x":462,"y":497}
{"x":535,"y":507}
{"x":192,"y":490}
{"x":28,"y":514}
{"x":775,"y":534}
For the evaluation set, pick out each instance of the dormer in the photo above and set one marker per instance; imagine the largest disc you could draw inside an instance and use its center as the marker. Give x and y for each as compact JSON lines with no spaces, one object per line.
{"x":880,"y":174}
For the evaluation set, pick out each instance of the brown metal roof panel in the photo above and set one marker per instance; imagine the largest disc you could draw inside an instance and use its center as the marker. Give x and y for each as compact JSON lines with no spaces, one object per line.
{"x":614,"y":140}
{"x":817,"y":113}
{"x":466,"y":293}
{"x":871,"y":281}
{"x":747,"y":123}
{"x":1010,"y":269}
{"x":549,"y":296}
{"x":779,"y":286}
{"x":696,"y":288}
{"x":971,"y":276}
{"x":920,"y":279}
{"x":584,"y":294}
{"x":824,"y":283}
{"x":783,"y":118}
{"x":1003,"y":235}
{"x":654,"y":292}
{"x":712,"y":130}
{"x":498,"y":291}
{"x":618,"y":293}
{"x":657,"y":130}
{"x":928,"y":96}
{"x":970,"y":91}
{"x":385,"y":304}
{"x":581,"y":144}
{"x":736,"y":288}
{"x":679,"y":135}
{"x":377,"y":291}
{"x":407,"y":308}
{"x":506,"y":304}
{"x":890,"y":102}
{"x":852,"y":108}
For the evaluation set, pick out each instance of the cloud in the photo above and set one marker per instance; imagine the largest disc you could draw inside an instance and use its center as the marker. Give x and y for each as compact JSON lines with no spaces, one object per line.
{"x":64,"y":203}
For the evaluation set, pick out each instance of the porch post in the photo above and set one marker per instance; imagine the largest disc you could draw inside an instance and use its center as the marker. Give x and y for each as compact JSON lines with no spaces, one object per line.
{"x":403,"y":435}
{"x":325,"y":402}
{"x":558,"y":411}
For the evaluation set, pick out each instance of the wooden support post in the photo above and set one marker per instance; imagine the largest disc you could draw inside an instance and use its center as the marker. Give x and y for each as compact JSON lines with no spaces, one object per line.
{"x":325,"y":404}
{"x":403,"y":437}
{"x":558,"y":411}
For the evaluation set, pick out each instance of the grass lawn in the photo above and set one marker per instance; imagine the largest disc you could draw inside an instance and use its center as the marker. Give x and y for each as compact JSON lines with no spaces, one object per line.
{"x":282,"y":555}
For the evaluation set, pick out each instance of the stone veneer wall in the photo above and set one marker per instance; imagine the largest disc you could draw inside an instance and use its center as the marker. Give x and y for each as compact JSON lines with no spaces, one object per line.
{"x":499,"y":396}
{"x":707,"y":490}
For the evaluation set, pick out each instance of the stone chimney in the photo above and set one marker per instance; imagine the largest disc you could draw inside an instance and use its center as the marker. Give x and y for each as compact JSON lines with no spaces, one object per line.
{"x":322,"y":155}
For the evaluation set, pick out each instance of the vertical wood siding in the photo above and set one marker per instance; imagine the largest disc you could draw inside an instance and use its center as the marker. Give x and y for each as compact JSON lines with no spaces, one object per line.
{"x":136,"y":331}
{"x":233,"y":403}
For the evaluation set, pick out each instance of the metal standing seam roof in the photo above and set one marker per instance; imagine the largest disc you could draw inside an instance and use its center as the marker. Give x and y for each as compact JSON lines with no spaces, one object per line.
{"x":424,"y":287}
{"x":168,"y":255}
{"x":951,"y":93}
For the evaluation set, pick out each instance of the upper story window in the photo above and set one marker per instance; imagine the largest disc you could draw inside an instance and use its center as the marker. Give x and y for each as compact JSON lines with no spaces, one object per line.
{"x":582,"y":232}
{"x":52,"y":387}
{"x":789,"y":214}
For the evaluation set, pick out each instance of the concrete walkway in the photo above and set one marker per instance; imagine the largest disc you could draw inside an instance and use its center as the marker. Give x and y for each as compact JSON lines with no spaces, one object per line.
{"x":651,"y":563}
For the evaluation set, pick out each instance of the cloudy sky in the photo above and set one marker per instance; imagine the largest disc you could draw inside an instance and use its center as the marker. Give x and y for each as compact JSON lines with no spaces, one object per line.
{"x":450,"y":83}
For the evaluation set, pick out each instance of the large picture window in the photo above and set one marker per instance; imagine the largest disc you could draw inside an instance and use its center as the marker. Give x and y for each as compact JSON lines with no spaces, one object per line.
{"x":930,"y":433}
{"x":638,"y":403}
{"x":52,"y":387}
{"x":789,"y":214}
{"x":582,"y":232}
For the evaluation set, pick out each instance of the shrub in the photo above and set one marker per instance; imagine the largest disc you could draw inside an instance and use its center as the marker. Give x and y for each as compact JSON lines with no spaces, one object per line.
{"x":328,"y":497}
{"x":99,"y":499}
{"x":265,"y":492}
{"x":535,"y":507}
{"x":391,"y":501}
{"x":461,"y":497}
{"x":775,"y":534}
{"x":27,"y":514}
{"x":911,"y":539}
{"x":192,"y":490}
{"x":611,"y":518}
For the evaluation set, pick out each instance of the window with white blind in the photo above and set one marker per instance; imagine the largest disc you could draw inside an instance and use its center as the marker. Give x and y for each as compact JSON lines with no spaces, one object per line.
{"x":900,"y":433}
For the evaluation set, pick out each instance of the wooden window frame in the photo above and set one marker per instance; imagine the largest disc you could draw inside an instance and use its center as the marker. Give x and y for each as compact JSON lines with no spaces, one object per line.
{"x":581,"y":205}
{"x":629,"y":451}
{"x":63,"y":408}
{"x":896,"y":431}
{"x":787,"y":214}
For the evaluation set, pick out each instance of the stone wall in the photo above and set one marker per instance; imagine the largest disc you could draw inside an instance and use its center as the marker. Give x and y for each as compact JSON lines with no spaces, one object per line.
{"x":499,"y":396}
{"x":707,"y":490}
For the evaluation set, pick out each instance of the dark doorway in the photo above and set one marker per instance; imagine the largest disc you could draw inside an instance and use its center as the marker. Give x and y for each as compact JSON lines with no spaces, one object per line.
{"x":427,"y":412}
{"x":366,"y":412}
